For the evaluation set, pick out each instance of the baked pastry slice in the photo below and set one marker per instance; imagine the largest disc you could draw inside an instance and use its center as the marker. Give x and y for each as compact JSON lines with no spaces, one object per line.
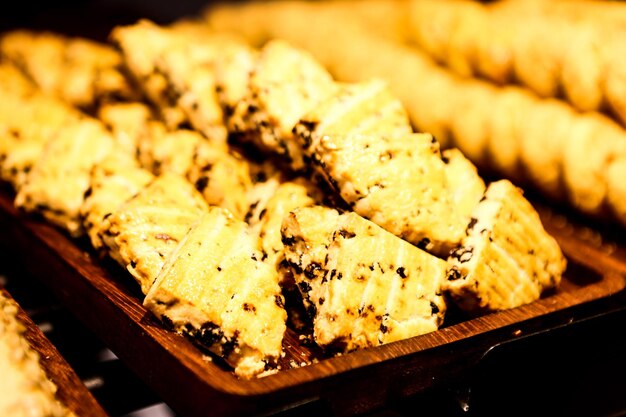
{"x":361,"y":285}
{"x":142,"y":232}
{"x":220,"y":174}
{"x":114,"y":180}
{"x":465,"y":185}
{"x":13,"y":81}
{"x":128,"y":121}
{"x":216,"y":289}
{"x":26,"y":124}
{"x":288,"y":196}
{"x":507,"y":258}
{"x":79,"y":71}
{"x":141,"y":44}
{"x":367,"y":107}
{"x":26,"y":389}
{"x":190,"y":75}
{"x":56,"y":185}
{"x":285,"y":84}
{"x":232,"y":68}
{"x":39,"y":55}
{"x":398,"y":182}
{"x":162,"y":150}
{"x":174,"y":67}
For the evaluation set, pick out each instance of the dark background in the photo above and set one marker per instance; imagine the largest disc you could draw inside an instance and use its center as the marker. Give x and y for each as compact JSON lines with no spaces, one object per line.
{"x":91,"y":18}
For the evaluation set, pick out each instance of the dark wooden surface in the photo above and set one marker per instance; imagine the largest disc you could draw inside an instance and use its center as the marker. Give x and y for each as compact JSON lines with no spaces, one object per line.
{"x":108,"y":302}
{"x":70,"y":390}
{"x":105,"y":298}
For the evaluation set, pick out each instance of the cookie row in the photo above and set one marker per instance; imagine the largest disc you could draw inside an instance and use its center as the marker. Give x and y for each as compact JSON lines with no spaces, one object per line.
{"x":572,"y":157}
{"x":556,"y":49}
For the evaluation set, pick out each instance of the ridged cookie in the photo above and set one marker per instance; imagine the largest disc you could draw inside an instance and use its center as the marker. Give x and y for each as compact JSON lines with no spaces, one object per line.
{"x":507,"y":258}
{"x":216,"y":289}
{"x":141,"y":233}
{"x":361,"y":285}
{"x":56,"y":185}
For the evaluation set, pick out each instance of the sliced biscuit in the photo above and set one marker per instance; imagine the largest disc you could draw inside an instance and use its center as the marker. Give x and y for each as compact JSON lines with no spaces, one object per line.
{"x":362,"y":285}
{"x":399,"y":183}
{"x":216,"y":289}
{"x":142,"y":232}
{"x":56,"y":185}
{"x":507,"y":258}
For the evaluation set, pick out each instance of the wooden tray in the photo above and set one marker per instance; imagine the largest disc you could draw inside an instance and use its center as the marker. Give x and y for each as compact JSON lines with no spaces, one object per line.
{"x":71,"y":392}
{"x":193,"y":383}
